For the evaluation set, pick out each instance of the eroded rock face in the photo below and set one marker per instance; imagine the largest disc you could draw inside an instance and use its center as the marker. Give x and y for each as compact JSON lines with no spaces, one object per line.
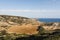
{"x":52,"y":26}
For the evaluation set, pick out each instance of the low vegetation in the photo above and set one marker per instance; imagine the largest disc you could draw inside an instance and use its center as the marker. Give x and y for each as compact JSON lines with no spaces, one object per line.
{"x":22,"y":28}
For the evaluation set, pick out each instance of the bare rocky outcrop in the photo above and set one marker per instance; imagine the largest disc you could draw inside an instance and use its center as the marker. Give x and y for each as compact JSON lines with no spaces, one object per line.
{"x":52,"y":26}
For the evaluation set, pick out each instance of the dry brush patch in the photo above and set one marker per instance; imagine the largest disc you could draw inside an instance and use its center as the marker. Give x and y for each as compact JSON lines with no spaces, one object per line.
{"x":24,"y":29}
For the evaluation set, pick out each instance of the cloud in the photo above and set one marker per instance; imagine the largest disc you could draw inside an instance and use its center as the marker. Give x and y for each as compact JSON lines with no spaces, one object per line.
{"x":32,"y":11}
{"x":23,"y":11}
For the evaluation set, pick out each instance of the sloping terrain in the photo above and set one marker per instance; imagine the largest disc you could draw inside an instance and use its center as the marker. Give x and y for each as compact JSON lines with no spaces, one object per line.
{"x":22,"y":28}
{"x":18,"y":25}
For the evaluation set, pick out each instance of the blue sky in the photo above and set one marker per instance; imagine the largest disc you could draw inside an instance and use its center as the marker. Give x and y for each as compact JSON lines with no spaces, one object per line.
{"x":31,"y":8}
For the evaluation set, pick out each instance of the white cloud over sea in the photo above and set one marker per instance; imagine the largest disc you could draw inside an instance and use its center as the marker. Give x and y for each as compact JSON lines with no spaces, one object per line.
{"x":32,"y":11}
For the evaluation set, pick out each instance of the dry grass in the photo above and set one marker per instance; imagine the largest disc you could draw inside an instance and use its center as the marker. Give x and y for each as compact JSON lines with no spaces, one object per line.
{"x":24,"y":29}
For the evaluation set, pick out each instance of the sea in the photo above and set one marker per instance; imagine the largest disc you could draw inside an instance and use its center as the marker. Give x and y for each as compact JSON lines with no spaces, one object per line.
{"x":49,"y":19}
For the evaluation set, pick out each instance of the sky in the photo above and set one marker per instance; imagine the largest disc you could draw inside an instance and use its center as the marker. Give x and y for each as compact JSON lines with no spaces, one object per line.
{"x":31,"y":8}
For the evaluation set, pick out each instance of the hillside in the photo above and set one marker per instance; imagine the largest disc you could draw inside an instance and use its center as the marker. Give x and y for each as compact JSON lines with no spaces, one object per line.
{"x":16,"y":27}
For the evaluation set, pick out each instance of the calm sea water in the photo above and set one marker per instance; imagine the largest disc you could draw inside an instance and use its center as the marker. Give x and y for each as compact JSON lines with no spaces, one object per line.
{"x":49,"y":19}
